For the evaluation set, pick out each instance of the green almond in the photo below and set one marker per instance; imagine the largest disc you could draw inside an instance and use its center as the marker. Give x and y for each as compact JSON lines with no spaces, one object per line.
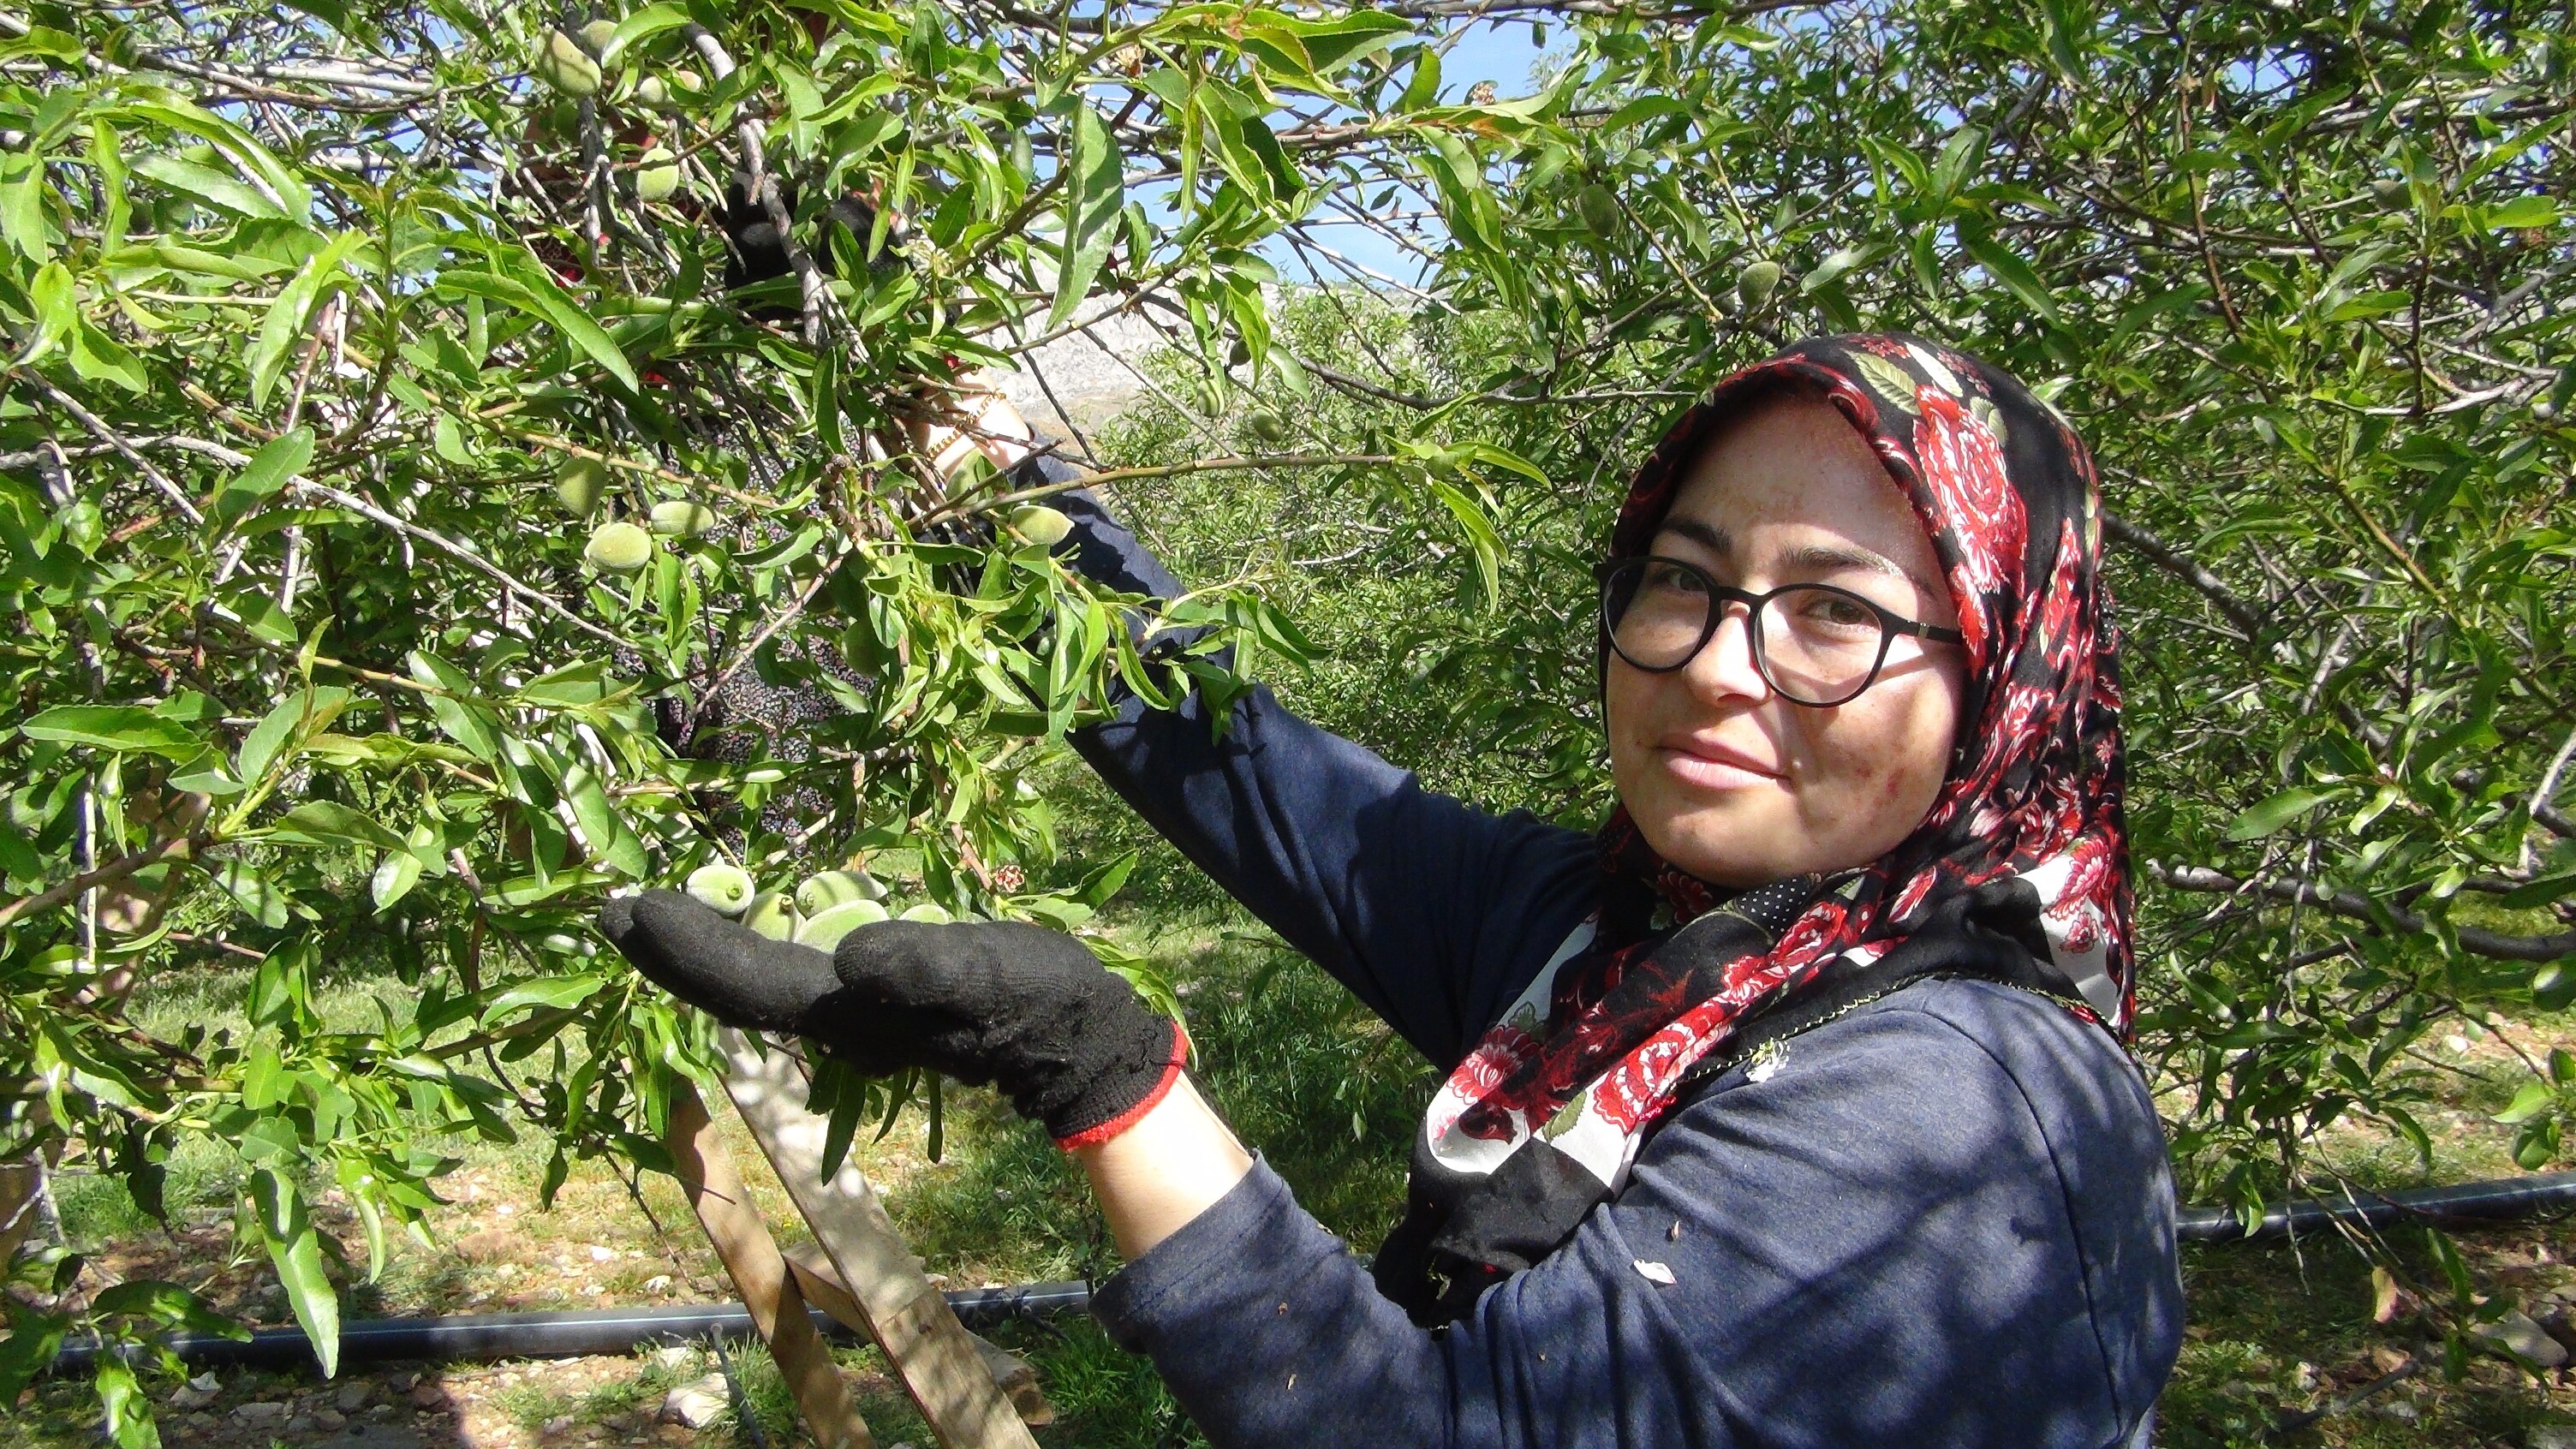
{"x":579,"y":485}
{"x":824,"y":930}
{"x":928,"y":912}
{"x":658,"y":179}
{"x":563,"y":65}
{"x":820,"y":893}
{"x":1041,"y":525}
{"x":722,"y":888}
{"x":683,"y":518}
{"x":773,"y":915}
{"x":618,"y":548}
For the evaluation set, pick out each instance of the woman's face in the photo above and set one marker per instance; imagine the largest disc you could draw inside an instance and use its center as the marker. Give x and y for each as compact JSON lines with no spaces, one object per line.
{"x":1728,"y":780}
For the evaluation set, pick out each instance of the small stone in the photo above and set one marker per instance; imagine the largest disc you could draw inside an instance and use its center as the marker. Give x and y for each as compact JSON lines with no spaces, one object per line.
{"x":426,"y":1395}
{"x":659,"y":1282}
{"x":2400,"y":1410}
{"x":188,"y":1396}
{"x":329,"y":1418}
{"x":2517,"y":1335}
{"x":697,"y":1403}
{"x":206,"y":1383}
{"x":673,"y":1357}
{"x":2456,"y":1044}
{"x":488,"y":1246}
{"x":202,"y":1420}
{"x":2551,"y":1436}
{"x":401,"y":1383}
{"x":301,"y":1424}
{"x":259,"y":1412}
{"x":599,"y":1254}
{"x":559,"y":1424}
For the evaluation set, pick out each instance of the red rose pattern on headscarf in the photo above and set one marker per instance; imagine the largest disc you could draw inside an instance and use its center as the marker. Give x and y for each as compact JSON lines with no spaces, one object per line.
{"x":1595,"y":1048}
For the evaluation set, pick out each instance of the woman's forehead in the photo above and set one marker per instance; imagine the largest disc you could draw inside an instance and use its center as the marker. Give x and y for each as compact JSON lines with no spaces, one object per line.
{"x":1796,"y":474}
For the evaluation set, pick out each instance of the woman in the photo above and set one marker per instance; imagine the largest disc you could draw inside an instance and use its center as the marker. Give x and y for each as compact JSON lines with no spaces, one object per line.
{"x":1789,"y":1110}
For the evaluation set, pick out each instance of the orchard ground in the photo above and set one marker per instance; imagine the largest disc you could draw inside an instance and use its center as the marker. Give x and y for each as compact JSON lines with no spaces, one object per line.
{"x":1308,"y":1077}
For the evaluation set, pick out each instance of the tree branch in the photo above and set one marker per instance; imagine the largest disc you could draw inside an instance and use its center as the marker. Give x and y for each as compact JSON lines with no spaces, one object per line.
{"x":177,"y":847}
{"x":2184,"y":567}
{"x":2200,"y":879}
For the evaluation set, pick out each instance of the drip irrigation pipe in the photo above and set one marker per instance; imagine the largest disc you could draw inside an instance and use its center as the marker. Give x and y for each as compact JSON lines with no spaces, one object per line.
{"x":487,"y":1336}
{"x":2510,"y":1199}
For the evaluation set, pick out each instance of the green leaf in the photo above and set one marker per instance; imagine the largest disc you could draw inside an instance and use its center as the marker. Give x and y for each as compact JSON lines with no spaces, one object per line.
{"x":265,"y":473}
{"x":536,"y":295}
{"x":167,"y":1303}
{"x":295,"y":1250}
{"x":327,"y":822}
{"x":220,"y":190}
{"x":2276,"y":812}
{"x":34,"y":1338}
{"x":56,"y":300}
{"x":288,"y":315}
{"x":123,"y":727}
{"x":125,"y":1408}
{"x":1481,"y":537}
{"x":395,"y":876}
{"x":1095,"y":191}
{"x":2522,"y":213}
{"x":2553,"y":986}
{"x":543,"y":991}
{"x":2534,"y":1098}
{"x":2006,"y":266}
{"x":650,"y":21}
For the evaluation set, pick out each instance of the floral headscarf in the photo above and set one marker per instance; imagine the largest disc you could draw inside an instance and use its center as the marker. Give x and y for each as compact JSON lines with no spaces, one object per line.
{"x":2019,"y":872}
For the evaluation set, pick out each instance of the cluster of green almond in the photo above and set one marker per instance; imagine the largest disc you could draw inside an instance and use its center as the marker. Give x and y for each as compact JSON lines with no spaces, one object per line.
{"x":818,"y":913}
{"x":620,"y":546}
{"x":571,"y":63}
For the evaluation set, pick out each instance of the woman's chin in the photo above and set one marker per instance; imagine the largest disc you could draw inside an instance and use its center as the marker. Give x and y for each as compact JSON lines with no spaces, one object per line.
{"x":1709,"y":844}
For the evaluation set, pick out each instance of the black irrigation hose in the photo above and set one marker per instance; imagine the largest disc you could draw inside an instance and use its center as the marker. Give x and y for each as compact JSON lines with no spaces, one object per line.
{"x":2510,"y":1199}
{"x":486,"y":1336}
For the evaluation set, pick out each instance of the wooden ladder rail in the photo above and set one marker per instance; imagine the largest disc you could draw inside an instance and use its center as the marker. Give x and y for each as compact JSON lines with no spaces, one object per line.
{"x":938,"y":1362}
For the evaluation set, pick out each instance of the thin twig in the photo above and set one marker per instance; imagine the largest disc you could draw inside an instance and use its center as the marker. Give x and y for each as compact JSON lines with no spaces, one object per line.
{"x":178,"y":497}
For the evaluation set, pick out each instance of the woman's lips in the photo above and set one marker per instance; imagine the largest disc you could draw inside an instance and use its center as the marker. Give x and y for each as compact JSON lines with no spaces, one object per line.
{"x":1708,"y":766}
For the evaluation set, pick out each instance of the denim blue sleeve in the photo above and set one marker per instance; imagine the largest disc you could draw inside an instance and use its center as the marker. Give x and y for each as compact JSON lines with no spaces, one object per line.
{"x":1944,"y":1219}
{"x":1433,"y":912}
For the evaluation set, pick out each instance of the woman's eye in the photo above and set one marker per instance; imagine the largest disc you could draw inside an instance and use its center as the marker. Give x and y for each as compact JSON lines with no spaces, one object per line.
{"x":1673,"y":579}
{"x":1834,"y":611}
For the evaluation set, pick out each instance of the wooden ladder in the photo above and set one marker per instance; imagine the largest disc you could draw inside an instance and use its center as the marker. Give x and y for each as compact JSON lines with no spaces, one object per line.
{"x":864,"y":1276}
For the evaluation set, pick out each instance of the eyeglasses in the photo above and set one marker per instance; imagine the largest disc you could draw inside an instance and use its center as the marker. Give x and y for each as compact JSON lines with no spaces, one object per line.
{"x":1815,"y":644}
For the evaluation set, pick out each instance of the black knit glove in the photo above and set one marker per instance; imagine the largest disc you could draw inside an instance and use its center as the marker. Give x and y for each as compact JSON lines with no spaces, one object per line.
{"x":1022,"y":1007}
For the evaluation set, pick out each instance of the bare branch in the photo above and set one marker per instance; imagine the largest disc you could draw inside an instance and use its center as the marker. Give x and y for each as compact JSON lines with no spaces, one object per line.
{"x":2203,"y":880}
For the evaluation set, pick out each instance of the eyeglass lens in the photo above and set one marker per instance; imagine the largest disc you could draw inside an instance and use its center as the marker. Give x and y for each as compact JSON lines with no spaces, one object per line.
{"x":1814,"y":643}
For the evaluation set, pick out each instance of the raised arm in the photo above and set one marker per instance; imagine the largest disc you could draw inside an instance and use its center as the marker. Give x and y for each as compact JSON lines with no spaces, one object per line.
{"x":1433,"y":912}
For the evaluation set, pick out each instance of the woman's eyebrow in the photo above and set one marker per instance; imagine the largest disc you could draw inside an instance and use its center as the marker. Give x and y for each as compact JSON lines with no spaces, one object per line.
{"x":1824,"y":556}
{"x":1708,"y":536}
{"x":1813,"y":557}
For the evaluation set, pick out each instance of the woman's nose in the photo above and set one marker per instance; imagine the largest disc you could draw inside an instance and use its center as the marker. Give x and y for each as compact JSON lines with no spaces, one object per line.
{"x":1724,"y":668}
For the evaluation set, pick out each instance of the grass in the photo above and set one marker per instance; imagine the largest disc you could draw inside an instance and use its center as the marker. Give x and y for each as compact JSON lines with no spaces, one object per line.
{"x":1310,"y":1078}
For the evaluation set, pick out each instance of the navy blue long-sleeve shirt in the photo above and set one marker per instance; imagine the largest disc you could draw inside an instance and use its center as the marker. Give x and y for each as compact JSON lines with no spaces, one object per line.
{"x":1943,"y":1219}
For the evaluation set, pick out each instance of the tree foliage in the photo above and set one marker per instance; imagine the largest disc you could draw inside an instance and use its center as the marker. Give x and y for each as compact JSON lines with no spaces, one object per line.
{"x":325,"y":326}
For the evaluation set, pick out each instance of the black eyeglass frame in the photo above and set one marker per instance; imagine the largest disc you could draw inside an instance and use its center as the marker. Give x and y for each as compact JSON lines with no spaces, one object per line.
{"x":1890,"y":624}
